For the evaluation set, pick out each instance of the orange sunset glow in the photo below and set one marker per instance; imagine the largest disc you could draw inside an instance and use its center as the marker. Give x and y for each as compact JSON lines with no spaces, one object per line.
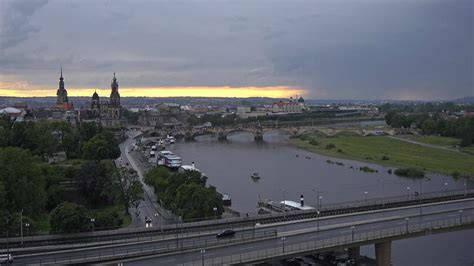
{"x":21,"y":89}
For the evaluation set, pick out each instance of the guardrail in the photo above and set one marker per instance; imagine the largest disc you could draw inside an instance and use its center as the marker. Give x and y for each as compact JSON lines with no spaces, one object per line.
{"x":350,"y":239}
{"x":245,"y":222}
{"x":179,"y":245}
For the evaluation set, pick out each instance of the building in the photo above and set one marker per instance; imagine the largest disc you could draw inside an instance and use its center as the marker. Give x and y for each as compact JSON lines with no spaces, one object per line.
{"x":108,"y":113}
{"x":62,"y":101}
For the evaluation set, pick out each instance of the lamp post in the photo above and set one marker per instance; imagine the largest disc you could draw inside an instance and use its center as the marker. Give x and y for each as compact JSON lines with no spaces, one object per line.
{"x":215,"y":213}
{"x":366,"y":193}
{"x":156,"y":217}
{"x":27,"y":229}
{"x":406,"y":224}
{"x":460,"y":216}
{"x":21,"y":226}
{"x":317,"y":212}
{"x":283,"y":242}
{"x":446,"y":186}
{"x":408,"y":192}
{"x":92,"y":222}
{"x":203,"y":251}
{"x":465,"y":188}
{"x":352,"y":229}
{"x":320,"y":204}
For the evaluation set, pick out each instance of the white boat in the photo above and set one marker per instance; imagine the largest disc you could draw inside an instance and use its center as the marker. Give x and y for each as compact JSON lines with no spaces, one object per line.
{"x":170,"y":139}
{"x":161,"y":157}
{"x":172,"y":161}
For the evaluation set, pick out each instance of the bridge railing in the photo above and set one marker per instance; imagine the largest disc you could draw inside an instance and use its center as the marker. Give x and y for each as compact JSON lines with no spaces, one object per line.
{"x":153,"y":248}
{"x":326,"y":243}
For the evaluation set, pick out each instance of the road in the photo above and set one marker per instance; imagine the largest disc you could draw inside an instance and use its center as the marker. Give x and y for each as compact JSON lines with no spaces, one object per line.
{"x":148,"y":207}
{"x":294,"y":231}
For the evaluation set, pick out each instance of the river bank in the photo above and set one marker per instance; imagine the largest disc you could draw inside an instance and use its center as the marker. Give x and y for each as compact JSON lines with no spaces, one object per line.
{"x":387,"y":151}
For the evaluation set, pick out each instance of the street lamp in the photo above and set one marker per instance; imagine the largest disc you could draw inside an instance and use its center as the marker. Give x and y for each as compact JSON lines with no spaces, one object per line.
{"x":460,"y":216}
{"x":320,"y":204}
{"x":366,"y":193}
{"x":215,"y":213}
{"x":446,"y":186}
{"x":465,"y":188}
{"x":283,"y":242}
{"x":408,"y":192}
{"x":27,"y":229}
{"x":156,"y":217}
{"x":92,"y":222}
{"x":203,"y":251}
{"x":406,"y":223}
{"x":352,"y":229}
{"x":317,"y":212}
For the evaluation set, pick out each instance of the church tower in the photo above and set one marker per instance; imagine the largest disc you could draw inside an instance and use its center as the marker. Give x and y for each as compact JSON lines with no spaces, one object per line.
{"x":95,"y":104}
{"x":61,"y":94}
{"x":114,"y":95}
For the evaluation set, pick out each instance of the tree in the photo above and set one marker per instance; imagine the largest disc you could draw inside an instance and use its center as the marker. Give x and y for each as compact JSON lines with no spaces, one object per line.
{"x":102,"y":146}
{"x":22,"y":180}
{"x":92,"y":180}
{"x":69,"y":217}
{"x":131,"y":188}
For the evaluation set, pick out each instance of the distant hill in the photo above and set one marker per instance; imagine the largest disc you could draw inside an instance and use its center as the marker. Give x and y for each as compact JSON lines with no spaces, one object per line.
{"x":464,"y":100}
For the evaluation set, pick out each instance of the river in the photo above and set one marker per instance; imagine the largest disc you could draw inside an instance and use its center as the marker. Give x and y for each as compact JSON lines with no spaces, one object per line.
{"x":287,"y":172}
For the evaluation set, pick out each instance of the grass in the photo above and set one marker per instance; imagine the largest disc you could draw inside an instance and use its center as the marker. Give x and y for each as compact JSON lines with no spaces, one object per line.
{"x":376,"y":149}
{"x":468,"y":150}
{"x":434,"y":140}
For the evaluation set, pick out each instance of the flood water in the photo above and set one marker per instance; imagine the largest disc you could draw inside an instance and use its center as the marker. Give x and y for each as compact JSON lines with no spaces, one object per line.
{"x":287,"y":172}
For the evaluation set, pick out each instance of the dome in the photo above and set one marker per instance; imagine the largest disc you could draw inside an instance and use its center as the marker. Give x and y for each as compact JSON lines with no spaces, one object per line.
{"x":301,"y":100}
{"x":95,"y":95}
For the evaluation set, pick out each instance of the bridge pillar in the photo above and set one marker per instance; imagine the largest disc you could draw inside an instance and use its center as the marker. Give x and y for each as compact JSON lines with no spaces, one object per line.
{"x":258,"y":136}
{"x":383,"y":253}
{"x":221,"y":135}
{"x":354,"y":253}
{"x":188,"y":136}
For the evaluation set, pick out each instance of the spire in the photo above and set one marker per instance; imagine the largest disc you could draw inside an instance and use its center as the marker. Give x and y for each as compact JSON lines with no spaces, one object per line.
{"x":61,"y":77}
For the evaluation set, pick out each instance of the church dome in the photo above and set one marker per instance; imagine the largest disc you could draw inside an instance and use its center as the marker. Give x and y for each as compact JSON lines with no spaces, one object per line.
{"x":301,"y":100}
{"x":95,"y":95}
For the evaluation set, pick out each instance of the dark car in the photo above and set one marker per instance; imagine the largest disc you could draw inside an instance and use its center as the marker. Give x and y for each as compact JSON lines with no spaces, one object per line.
{"x":226,"y":233}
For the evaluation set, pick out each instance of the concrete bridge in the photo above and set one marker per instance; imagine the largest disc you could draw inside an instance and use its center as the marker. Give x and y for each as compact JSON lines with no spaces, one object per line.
{"x":259,"y":130}
{"x":265,"y":237}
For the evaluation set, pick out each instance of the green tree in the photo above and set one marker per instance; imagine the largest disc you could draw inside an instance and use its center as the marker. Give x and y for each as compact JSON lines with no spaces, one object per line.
{"x":23,"y":181}
{"x":69,"y":217}
{"x":101,"y":146}
{"x":92,"y":180}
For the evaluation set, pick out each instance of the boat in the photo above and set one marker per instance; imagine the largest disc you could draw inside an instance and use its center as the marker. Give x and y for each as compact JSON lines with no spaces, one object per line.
{"x":255,"y":176}
{"x":170,"y":139}
{"x":172,"y":161}
{"x":226,"y":200}
{"x":161,"y":157}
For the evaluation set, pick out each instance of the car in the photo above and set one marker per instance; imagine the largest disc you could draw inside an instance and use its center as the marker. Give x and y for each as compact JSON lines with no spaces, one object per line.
{"x":226,"y":233}
{"x":6,"y":258}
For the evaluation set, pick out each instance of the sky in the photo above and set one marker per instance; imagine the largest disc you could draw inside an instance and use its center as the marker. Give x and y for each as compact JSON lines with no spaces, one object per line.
{"x":320,"y":49}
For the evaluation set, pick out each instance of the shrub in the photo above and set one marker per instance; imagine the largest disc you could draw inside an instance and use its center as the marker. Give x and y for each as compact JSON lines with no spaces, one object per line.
{"x":313,"y":142}
{"x":385,"y":158}
{"x":330,"y":146}
{"x":409,"y":172}
{"x":455,"y":174}
{"x":368,"y":169}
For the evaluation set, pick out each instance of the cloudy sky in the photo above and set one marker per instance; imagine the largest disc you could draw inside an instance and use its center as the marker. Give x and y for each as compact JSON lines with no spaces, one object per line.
{"x":339,"y":49}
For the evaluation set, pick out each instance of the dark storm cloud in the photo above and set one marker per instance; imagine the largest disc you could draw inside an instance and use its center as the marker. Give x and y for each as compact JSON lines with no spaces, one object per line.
{"x":15,"y":25}
{"x":335,"y":49}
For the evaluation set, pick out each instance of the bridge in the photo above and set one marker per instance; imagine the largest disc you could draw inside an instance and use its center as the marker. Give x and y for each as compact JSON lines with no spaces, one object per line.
{"x":259,"y":238}
{"x":258,"y":130}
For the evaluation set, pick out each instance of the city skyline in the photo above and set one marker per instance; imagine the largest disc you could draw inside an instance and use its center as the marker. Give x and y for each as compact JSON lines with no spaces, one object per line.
{"x":399,"y":50}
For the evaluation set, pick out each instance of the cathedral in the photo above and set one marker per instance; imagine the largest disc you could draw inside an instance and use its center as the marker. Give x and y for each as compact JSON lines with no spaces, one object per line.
{"x":107,"y":112}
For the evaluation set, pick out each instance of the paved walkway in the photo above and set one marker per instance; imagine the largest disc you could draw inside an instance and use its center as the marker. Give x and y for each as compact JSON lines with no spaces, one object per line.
{"x":425,"y":144}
